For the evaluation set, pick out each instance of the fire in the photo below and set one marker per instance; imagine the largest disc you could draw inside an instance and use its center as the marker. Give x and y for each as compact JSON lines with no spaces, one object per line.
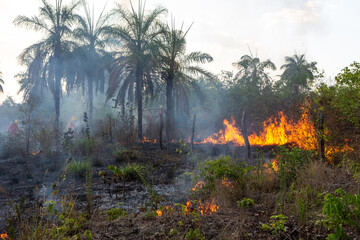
{"x":36,"y":153}
{"x":4,"y":236}
{"x":277,"y":131}
{"x":159,"y":212}
{"x":148,"y":140}
{"x":199,"y":184}
{"x":204,"y":208}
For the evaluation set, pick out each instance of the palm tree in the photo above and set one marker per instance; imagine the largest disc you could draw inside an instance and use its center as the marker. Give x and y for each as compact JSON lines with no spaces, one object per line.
{"x":252,"y":72}
{"x":51,"y":52}
{"x":91,"y":55}
{"x":134,"y":63}
{"x":177,"y":70}
{"x":1,"y":82}
{"x":297,"y":73}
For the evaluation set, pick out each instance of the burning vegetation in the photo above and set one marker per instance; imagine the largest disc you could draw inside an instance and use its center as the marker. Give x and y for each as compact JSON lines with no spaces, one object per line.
{"x":106,"y":160}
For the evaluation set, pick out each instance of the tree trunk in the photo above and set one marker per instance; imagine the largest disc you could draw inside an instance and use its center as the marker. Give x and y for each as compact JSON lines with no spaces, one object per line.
{"x":169,"y":108}
{"x":161,"y":127}
{"x":321,"y":141}
{"x":193,"y":133}
{"x":139,"y":87}
{"x":245,"y":135}
{"x":91,"y":97}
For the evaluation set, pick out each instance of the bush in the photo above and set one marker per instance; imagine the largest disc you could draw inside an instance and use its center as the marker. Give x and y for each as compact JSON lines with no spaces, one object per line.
{"x":224,"y":168}
{"x":78,"y":168}
{"x":125,"y":154}
{"x":290,"y":162}
{"x":341,"y":209}
{"x":86,"y":146}
{"x":115,"y":213}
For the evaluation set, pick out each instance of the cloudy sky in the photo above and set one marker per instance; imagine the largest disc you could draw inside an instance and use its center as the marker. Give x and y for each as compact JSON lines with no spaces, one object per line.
{"x":328,"y":31}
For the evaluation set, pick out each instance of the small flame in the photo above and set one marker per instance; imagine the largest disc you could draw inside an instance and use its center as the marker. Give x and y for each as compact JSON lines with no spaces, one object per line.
{"x":148,"y":140}
{"x":4,"y":236}
{"x":227,"y":183}
{"x":199,"y":184}
{"x":159,"y":212}
{"x":36,"y":153}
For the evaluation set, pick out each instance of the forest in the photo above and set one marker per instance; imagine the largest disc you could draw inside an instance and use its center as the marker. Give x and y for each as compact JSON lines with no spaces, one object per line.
{"x":124,"y":134}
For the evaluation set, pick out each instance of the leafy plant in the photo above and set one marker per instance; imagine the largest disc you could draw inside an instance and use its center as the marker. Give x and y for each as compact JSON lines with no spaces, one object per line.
{"x":224,"y":168}
{"x":125,"y":154}
{"x":194,"y":234}
{"x":115,"y":213}
{"x":245,"y":203}
{"x":277,"y":224}
{"x":183,"y":147}
{"x":78,"y":168}
{"x":341,"y":209}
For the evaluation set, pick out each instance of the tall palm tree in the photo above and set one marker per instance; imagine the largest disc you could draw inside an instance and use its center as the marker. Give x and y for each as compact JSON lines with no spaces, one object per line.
{"x":1,"y":82}
{"x":91,"y":56}
{"x":252,"y":71}
{"x":136,"y":32}
{"x":297,"y":73}
{"x":177,"y":70}
{"x":50,"y":53}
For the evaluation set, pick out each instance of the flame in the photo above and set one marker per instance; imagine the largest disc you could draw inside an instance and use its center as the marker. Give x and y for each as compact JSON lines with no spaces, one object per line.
{"x":199,"y":184}
{"x":36,"y":153}
{"x":159,"y":212}
{"x":277,"y":131}
{"x":4,"y":236}
{"x":148,"y":140}
{"x":227,"y":183}
{"x":204,"y":208}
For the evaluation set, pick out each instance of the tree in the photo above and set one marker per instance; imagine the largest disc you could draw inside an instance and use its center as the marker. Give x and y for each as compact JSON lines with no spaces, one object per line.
{"x":252,"y":72}
{"x":91,"y":55}
{"x":298,"y":73}
{"x":1,"y":82}
{"x":49,"y":54}
{"x":135,"y":61}
{"x":176,"y":70}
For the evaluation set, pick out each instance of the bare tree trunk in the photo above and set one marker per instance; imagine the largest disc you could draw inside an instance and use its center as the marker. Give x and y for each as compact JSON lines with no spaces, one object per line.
{"x":193,"y":133}
{"x":161,"y":128}
{"x":139,"y":88}
{"x":245,"y":135}
{"x":169,"y":108}
{"x":91,"y":97}
{"x":321,"y":142}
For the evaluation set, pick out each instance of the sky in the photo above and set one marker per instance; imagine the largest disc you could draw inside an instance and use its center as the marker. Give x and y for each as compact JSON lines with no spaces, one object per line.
{"x":327,"y":31}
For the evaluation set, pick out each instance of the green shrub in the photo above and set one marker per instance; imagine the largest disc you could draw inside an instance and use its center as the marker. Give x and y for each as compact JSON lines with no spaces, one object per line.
{"x":277,"y":224}
{"x":245,"y":203}
{"x":125,"y":154}
{"x":115,"y":213}
{"x":85,"y":145}
{"x":341,"y":209}
{"x":224,"y":168}
{"x":78,"y":168}
{"x":291,"y":161}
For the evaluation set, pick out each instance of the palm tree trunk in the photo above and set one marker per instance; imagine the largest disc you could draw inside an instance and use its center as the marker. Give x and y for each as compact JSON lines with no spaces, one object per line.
{"x":91,"y":96}
{"x":169,"y":108}
{"x":57,"y":92}
{"x":139,"y":87}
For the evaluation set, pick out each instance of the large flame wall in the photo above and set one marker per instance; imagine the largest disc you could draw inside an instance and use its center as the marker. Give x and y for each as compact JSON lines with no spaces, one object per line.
{"x":277,"y":131}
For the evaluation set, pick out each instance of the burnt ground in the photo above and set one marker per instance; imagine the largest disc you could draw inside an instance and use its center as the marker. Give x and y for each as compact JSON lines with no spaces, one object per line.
{"x":33,"y":176}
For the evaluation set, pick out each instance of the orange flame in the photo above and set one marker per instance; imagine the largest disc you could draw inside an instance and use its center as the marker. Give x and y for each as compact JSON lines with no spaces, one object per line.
{"x":277,"y":131}
{"x":4,"y":236}
{"x":199,"y":184}
{"x":148,"y":140}
{"x":159,"y":212}
{"x":204,"y":208}
{"x":36,"y":153}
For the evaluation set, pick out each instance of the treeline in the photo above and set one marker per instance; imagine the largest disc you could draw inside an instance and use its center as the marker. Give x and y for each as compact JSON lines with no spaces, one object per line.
{"x":133,"y":56}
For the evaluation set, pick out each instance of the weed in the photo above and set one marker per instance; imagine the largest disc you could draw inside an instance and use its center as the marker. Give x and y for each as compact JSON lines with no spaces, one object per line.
{"x":277,"y":224}
{"x":125,"y":154}
{"x":194,"y":234}
{"x":115,"y":213}
{"x":183,"y":148}
{"x":245,"y":203}
{"x":78,"y":168}
{"x":341,"y":209}
{"x":224,"y":168}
